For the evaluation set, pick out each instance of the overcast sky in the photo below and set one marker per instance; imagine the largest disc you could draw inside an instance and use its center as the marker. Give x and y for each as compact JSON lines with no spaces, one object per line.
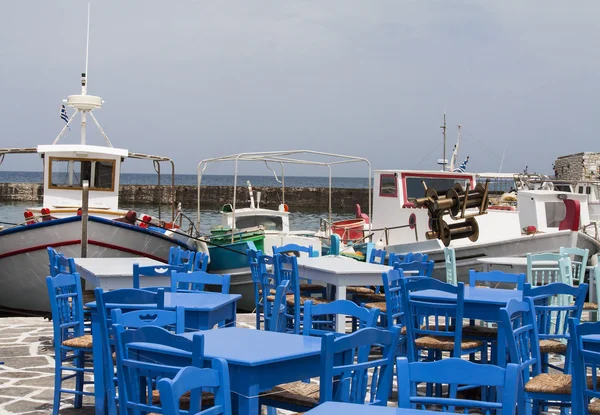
{"x":193,"y":80}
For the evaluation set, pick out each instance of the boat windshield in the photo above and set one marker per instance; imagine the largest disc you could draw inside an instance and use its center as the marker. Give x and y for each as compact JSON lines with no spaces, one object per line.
{"x":415,"y":189}
{"x":555,"y":213}
{"x":270,"y":223}
{"x":69,"y":173}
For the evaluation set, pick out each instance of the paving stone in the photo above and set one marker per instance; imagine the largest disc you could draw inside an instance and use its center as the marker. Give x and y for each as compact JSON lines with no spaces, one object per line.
{"x":26,"y":362}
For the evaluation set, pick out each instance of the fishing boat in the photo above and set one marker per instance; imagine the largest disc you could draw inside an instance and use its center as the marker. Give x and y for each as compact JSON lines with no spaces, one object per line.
{"x":257,"y":227}
{"x":92,"y":225}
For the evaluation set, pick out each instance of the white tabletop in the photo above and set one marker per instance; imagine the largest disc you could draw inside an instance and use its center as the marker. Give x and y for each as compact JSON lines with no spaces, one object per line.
{"x":513,"y":261}
{"x":341,"y":265}
{"x":113,"y":267}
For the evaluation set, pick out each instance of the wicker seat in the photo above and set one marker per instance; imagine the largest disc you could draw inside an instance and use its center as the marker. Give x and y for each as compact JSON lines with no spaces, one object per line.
{"x":208,"y":399}
{"x":296,"y":393}
{"x":445,"y":343}
{"x":271,"y":291}
{"x":480,"y":331}
{"x":591,"y":307}
{"x":374,"y":298}
{"x":315,"y":288}
{"x":555,"y":383}
{"x":379,"y":305}
{"x":82,"y":342}
{"x":359,"y":290}
{"x":552,"y":346}
{"x":290,"y":300}
{"x":594,"y":408}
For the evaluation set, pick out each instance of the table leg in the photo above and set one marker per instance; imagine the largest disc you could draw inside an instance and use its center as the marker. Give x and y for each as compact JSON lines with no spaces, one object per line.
{"x":501,"y":352}
{"x":232,"y":321}
{"x":247,"y":403}
{"x":340,"y":323}
{"x":99,"y":390}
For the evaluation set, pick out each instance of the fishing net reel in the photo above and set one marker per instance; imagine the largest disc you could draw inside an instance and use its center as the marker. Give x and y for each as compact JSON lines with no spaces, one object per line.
{"x":454,"y":203}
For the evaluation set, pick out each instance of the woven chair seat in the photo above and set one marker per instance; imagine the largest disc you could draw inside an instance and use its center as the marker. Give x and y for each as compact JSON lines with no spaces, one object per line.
{"x":359,"y":290}
{"x":445,"y":343}
{"x":480,"y":331}
{"x":594,"y":408}
{"x":315,"y":288}
{"x":290,"y":300}
{"x":82,"y":342}
{"x":373,"y":298}
{"x":208,"y":399}
{"x":555,"y":383}
{"x":272,"y":291}
{"x":296,"y":393}
{"x":590,"y":306}
{"x":380,"y":306}
{"x":552,"y":346}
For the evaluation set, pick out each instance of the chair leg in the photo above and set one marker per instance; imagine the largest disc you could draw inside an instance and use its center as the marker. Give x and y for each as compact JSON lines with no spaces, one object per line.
{"x":79,"y":378}
{"x":57,"y":381}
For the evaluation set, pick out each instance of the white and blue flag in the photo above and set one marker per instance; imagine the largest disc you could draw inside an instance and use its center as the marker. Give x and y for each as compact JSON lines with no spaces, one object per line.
{"x":463,"y":167}
{"x":63,"y":115}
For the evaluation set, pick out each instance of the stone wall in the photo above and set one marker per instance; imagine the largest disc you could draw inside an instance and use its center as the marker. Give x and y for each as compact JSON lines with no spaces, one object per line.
{"x":578,"y":167}
{"x":305,"y":199}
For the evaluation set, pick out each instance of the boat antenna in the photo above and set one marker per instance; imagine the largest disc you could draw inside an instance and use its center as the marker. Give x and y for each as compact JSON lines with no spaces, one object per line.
{"x":502,"y":161}
{"x":443,"y":127}
{"x":87,"y":52}
{"x":455,"y":151}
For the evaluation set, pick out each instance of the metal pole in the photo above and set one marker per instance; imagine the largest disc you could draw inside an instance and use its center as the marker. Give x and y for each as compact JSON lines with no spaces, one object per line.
{"x":443,"y":127}
{"x":84,"y":218}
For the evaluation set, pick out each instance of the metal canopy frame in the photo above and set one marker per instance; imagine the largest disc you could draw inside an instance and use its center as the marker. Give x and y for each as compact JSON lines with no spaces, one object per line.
{"x":282,"y":158}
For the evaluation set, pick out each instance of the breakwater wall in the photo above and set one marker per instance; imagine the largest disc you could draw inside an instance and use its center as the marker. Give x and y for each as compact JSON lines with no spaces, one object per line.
{"x":306,"y":199}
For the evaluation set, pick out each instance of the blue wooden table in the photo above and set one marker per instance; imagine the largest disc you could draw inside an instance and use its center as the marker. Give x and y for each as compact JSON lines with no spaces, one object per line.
{"x":258,"y":360}
{"x":330,"y":408}
{"x":202,"y":311}
{"x":481,"y":304}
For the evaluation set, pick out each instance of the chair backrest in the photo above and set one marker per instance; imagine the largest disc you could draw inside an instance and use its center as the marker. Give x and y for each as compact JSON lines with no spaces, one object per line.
{"x":193,"y":379}
{"x":394,"y":258}
{"x":417,"y":256}
{"x":540,"y":274}
{"x":138,"y":369}
{"x":276,"y":317}
{"x":453,"y":372}
{"x":256,"y":272}
{"x":321,"y":319}
{"x":295,"y":249}
{"x":66,"y":304}
{"x":52,"y":253}
{"x":153,"y":271}
{"x":60,"y":264}
{"x":442,"y":319}
{"x":586,"y":365}
{"x":286,"y":268}
{"x":181,"y":257}
{"x":174,"y":319}
{"x":551,"y":313}
{"x":378,"y":256}
{"x":450,"y":259}
{"x":346,"y":366}
{"x":579,"y":258}
{"x":201,"y":260}
{"x":422,"y":268}
{"x":394,"y":307}
{"x":196,"y":281}
{"x":493,"y":279}
{"x":522,"y":340}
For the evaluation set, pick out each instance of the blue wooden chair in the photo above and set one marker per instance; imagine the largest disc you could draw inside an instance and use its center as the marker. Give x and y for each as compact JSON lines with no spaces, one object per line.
{"x":378,"y":256}
{"x":201,"y":260}
{"x":551,"y":317}
{"x":585,"y":398}
{"x":347,"y":373}
{"x":276,"y":320}
{"x":450,"y":260}
{"x":190,"y":381}
{"x":394,"y":258}
{"x":422,"y":268}
{"x":320,"y":319}
{"x":129,"y":299}
{"x":434,"y":326}
{"x":419,"y":257}
{"x":197,"y":280}
{"x":496,"y":279}
{"x":181,"y":257}
{"x":536,"y":389}
{"x":153,"y":271}
{"x":174,"y":319}
{"x":139,"y":370}
{"x":307,"y":288}
{"x":60,"y":264}
{"x":361,"y":294}
{"x":70,"y":342}
{"x":454,"y":372}
{"x":256,"y":271}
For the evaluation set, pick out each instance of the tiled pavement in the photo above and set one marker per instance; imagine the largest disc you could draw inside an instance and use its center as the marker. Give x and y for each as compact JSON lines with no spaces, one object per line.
{"x":27,"y":375}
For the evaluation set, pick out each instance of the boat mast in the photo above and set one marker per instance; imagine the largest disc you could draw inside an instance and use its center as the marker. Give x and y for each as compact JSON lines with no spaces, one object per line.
{"x":455,"y":151}
{"x":84,"y":80}
{"x":443,"y":127}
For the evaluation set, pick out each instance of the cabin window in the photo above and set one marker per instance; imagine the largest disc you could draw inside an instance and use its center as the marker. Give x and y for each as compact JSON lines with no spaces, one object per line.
{"x":415,"y":189}
{"x":69,"y":173}
{"x":270,"y":223}
{"x":563,"y":187}
{"x":555,"y":213}
{"x":388,"y":185}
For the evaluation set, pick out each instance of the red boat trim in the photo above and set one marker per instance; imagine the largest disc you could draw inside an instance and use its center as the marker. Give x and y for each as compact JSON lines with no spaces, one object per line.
{"x":78,"y":241}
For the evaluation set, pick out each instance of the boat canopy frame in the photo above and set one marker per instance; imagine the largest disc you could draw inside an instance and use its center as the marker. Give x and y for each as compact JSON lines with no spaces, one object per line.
{"x":283,"y":157}
{"x":156,"y":160}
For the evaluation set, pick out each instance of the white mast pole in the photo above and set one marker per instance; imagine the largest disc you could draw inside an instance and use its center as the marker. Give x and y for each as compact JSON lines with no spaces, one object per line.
{"x":443,"y":127}
{"x":84,"y":81}
{"x":502,"y":161}
{"x":87,"y":46}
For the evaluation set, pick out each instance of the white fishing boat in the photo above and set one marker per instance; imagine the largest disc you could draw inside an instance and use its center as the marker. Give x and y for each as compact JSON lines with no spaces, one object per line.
{"x":110,"y":231}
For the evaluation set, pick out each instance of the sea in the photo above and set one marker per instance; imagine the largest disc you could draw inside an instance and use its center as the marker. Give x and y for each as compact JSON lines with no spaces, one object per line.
{"x":12,"y":212}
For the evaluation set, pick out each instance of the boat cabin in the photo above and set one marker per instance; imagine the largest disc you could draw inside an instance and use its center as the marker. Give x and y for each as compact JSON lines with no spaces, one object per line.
{"x":66,"y":166}
{"x":270,"y":220}
{"x":550,"y":211}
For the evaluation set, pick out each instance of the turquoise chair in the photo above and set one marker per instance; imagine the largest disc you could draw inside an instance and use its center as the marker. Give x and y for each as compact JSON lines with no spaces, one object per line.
{"x":450,"y":260}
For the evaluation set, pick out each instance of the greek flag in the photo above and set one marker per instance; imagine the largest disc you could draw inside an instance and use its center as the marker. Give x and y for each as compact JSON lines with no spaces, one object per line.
{"x":463,"y":167}
{"x":63,"y":115}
